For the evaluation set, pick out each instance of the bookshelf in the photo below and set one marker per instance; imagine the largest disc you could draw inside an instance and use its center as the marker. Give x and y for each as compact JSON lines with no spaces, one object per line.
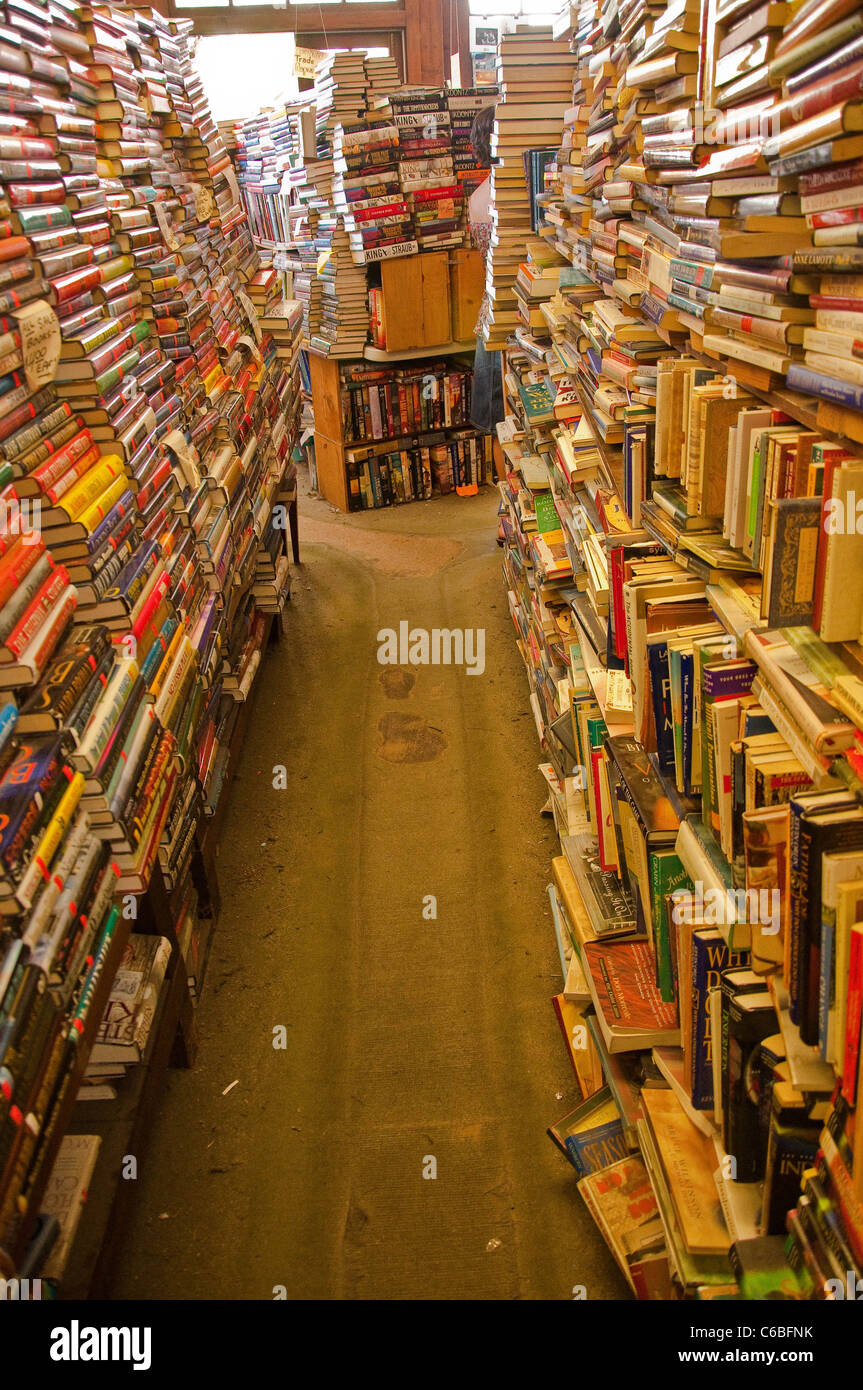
{"x":679,"y":630}
{"x":334,"y":443}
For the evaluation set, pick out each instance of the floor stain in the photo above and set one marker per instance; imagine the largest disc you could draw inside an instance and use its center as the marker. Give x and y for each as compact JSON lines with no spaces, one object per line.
{"x":407,"y":738}
{"x":397,"y":684}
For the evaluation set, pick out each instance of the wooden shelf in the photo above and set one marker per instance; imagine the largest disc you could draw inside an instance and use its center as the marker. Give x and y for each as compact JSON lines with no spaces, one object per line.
{"x":803,"y":409}
{"x":374,"y":354}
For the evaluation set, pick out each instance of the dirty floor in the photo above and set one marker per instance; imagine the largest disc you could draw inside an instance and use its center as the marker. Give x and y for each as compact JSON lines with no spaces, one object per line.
{"x":387,"y":911}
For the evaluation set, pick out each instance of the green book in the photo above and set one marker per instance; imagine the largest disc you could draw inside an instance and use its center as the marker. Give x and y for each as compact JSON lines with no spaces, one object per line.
{"x":666,"y":875}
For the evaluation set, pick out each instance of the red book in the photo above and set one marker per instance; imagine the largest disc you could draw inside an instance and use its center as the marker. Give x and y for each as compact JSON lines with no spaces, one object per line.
{"x":74,"y":471}
{"x":12,"y":246}
{"x":853,"y":1012}
{"x":833,"y":456}
{"x":835,"y":217}
{"x":430,"y":195}
{"x":76,"y":282}
{"x":838,"y":176}
{"x":37,"y":612}
{"x":827,"y":301}
{"x":16,"y":563}
{"x":844,"y":86}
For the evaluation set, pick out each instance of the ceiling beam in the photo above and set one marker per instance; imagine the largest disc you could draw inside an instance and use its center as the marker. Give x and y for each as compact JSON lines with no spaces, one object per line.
{"x":296,"y":19}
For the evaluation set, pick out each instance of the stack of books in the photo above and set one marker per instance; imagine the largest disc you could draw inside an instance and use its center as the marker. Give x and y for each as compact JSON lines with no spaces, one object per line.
{"x":147,"y":422}
{"x":682,"y":571}
{"x":535,"y":79}
{"x":464,"y":104}
{"x":426,"y":172}
{"x":264,"y":148}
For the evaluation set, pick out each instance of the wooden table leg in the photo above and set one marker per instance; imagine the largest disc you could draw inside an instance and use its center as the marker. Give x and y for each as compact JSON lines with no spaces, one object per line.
{"x":294,"y":523}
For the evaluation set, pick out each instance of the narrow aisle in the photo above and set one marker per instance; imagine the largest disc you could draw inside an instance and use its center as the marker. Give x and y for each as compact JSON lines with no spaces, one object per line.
{"x":407,"y":1038}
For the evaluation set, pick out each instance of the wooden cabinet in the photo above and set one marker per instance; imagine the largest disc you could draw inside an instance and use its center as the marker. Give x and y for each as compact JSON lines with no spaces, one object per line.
{"x":431,"y":299}
{"x":467,"y":284}
{"x":416,"y":297}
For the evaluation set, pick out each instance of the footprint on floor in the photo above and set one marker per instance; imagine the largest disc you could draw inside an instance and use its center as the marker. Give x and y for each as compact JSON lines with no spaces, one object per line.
{"x":397,"y":683}
{"x":407,"y":738}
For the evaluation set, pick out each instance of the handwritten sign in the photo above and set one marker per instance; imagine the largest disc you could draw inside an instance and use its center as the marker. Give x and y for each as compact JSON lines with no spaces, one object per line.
{"x":186,"y":456}
{"x":306,"y":60}
{"x":233,"y":185}
{"x":40,"y":342}
{"x":205,"y":205}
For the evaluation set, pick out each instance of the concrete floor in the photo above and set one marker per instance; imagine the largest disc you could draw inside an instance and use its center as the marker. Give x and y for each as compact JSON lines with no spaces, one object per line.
{"x":407,"y":1038}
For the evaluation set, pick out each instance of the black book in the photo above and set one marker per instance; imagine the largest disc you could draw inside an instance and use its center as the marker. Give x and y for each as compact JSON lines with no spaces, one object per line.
{"x":748,"y":1018}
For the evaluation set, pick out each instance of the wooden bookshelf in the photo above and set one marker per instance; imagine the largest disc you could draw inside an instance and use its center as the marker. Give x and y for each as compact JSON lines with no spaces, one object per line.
{"x":330,"y":442}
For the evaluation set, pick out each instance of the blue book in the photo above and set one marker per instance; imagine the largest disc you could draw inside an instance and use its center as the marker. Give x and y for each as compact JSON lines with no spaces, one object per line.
{"x":660,"y":691}
{"x":828,"y":388}
{"x":104,"y":529}
{"x":8,"y":720}
{"x":687,"y":668}
{"x":592,"y":1135}
{"x":597,"y":1148}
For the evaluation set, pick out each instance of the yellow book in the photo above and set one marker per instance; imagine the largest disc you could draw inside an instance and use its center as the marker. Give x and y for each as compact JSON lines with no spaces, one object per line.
{"x":166,"y":662}
{"x":580,"y":1045}
{"x":99,"y":509}
{"x":572,"y":901}
{"x":52,"y":836}
{"x":91,"y":486}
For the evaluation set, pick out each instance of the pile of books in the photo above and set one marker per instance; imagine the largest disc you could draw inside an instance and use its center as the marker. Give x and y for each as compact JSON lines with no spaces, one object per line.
{"x":534,"y":73}
{"x":265,"y":146}
{"x":147,"y":423}
{"x":367,"y":154}
{"x":415,"y":469}
{"x":685,"y":584}
{"x":464,"y":104}
{"x":426,"y":172}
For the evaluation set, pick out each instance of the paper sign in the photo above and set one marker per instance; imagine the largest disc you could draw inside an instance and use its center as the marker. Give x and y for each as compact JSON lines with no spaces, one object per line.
{"x":250,"y":344}
{"x":205,"y":205}
{"x":252,"y":315}
{"x":40,"y":342}
{"x":306,"y":60}
{"x":164,"y":221}
{"x":186,"y":456}
{"x":233,"y":185}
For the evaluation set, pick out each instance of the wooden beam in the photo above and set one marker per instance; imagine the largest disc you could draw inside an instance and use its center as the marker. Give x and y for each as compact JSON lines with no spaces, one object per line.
{"x":298,"y":19}
{"x":424,"y":43}
{"x":457,"y":41}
